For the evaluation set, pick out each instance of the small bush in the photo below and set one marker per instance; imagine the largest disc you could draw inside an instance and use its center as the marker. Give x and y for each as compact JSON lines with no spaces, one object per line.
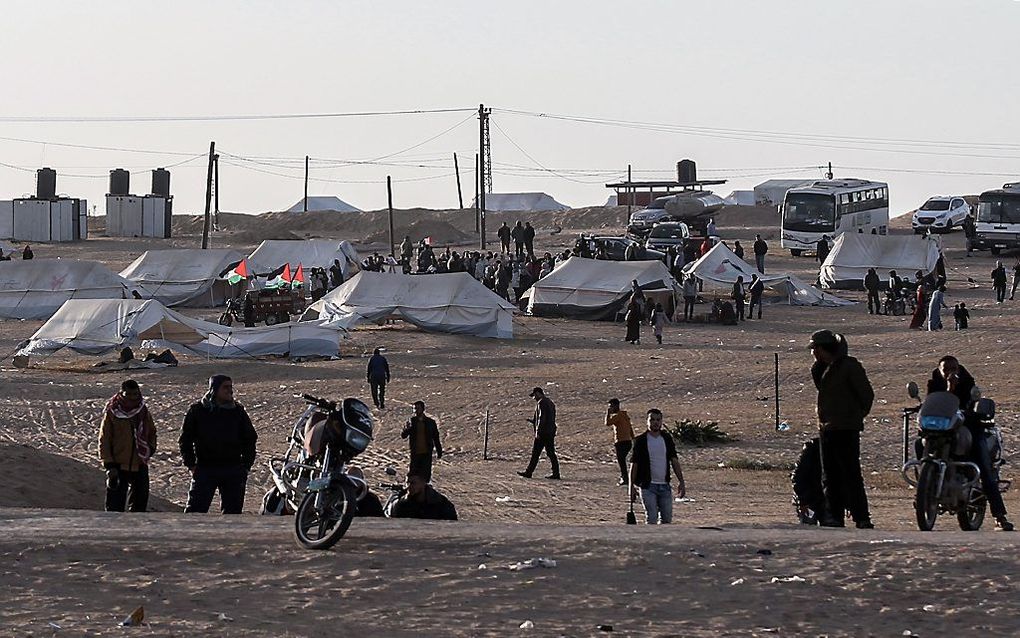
{"x":698,"y":432}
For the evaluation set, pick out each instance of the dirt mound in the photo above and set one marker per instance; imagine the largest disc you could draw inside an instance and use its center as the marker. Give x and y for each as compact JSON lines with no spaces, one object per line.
{"x":68,"y":484}
{"x":442,"y":233}
{"x":747,"y":217}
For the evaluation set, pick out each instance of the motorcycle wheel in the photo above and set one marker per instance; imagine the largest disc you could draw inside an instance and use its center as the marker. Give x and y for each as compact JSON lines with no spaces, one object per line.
{"x":971,"y":517}
{"x":926,"y":499}
{"x":273,"y":504}
{"x":315,"y":529}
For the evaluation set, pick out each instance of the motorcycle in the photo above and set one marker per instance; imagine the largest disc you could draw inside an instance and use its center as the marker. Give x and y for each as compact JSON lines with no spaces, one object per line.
{"x":396,"y":491}
{"x":945,"y":481}
{"x":333,"y":436}
{"x":291,"y":472}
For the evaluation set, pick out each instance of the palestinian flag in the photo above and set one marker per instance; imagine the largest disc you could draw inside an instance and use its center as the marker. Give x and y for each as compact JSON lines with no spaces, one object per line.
{"x":299,"y":277}
{"x":238,"y":273}
{"x":279,"y":277}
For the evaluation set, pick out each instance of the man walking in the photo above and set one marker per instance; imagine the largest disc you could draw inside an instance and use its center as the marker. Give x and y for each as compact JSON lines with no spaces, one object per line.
{"x":127,"y":440}
{"x":654,"y":456}
{"x":756,"y":289}
{"x":529,"y":240}
{"x":378,"y":375}
{"x":822,"y":249}
{"x":545,"y":434}
{"x":1016,"y":278}
{"x":871,"y":284}
{"x":760,"y":250}
{"x":218,"y":446}
{"x":504,"y":239}
{"x":999,"y":282}
{"x":619,"y":420}
{"x":422,"y":435}
{"x":845,"y":398}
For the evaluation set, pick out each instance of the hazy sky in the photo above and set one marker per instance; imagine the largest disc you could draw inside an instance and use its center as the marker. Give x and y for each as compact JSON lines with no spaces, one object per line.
{"x":750,"y":89}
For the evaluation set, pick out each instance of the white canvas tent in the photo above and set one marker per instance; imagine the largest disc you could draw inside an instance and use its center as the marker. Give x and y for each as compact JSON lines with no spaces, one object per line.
{"x":721,"y":267}
{"x":100,"y":326}
{"x":451,"y":302}
{"x":740,"y":198}
{"x":594,"y":289}
{"x":310,"y":253}
{"x":184,"y":276}
{"x":854,"y":253}
{"x":34,"y":289}
{"x":771,"y":192}
{"x":323,"y":203}
{"x":526,"y":202}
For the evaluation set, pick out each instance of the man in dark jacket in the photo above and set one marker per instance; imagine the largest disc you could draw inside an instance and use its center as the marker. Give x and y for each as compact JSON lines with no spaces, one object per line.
{"x":218,"y":446}
{"x":504,"y":238}
{"x":999,"y":282}
{"x":845,"y":398}
{"x":760,"y":250}
{"x":654,"y":455}
{"x":822,"y":249}
{"x":421,"y":500}
{"x":336,"y":275}
{"x":378,"y":375}
{"x":422,"y":435}
{"x":529,"y":240}
{"x":545,"y":434}
{"x":871,"y":284}
{"x":952,"y":377}
{"x":518,"y":234}
{"x":756,"y":290}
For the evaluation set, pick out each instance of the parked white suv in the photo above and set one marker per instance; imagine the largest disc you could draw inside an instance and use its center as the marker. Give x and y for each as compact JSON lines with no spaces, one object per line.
{"x":940,"y":214}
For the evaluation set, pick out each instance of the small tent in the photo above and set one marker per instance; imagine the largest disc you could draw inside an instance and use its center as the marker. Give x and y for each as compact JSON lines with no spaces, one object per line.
{"x":99,"y":326}
{"x":311,"y":253}
{"x":854,"y":253}
{"x":184,"y":276}
{"x":330,"y":203}
{"x":525,"y":202}
{"x":720,"y":267}
{"x":34,"y":289}
{"x":596,"y":290}
{"x":450,"y":302}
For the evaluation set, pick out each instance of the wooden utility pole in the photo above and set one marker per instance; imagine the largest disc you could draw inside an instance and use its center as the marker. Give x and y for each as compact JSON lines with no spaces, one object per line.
{"x":306,"y":184}
{"x":630,"y":192}
{"x":828,"y":175}
{"x":482,"y":125}
{"x":478,"y":209}
{"x":389,"y":202}
{"x":216,"y":191}
{"x":208,"y":195}
{"x":460,"y":196}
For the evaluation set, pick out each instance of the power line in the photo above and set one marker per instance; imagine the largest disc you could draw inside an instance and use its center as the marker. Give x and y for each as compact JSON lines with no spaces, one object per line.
{"x":95,"y":148}
{"x":217,"y":118}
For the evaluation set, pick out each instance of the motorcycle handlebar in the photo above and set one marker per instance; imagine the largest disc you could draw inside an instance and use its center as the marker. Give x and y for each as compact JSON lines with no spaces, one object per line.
{"x":322,"y":403}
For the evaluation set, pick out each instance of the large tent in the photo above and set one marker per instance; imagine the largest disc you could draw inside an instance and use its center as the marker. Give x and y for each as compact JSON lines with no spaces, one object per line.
{"x":330,"y":203}
{"x":720,"y":266}
{"x":854,"y":253}
{"x":526,"y":202}
{"x":34,"y":289}
{"x":311,"y":253}
{"x":184,"y":276}
{"x":771,"y":192}
{"x":594,"y":289}
{"x":99,"y":326}
{"x":451,"y":302}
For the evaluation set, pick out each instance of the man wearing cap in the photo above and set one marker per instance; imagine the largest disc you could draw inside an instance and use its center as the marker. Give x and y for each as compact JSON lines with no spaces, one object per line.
{"x":619,"y":420}
{"x":218,"y":447}
{"x":545,"y":434}
{"x":422,"y":435}
{"x":378,"y":375}
{"x":845,"y":398}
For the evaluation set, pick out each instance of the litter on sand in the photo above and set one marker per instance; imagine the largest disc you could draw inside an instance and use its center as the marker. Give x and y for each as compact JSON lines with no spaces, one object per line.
{"x":532,"y":564}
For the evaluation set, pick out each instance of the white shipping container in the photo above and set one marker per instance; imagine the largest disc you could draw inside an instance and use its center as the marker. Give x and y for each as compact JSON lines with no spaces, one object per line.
{"x":32,"y":219}
{"x":7,"y":220}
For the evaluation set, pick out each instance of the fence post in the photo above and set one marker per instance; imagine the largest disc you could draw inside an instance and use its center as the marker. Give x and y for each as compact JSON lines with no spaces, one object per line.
{"x":485,"y":431}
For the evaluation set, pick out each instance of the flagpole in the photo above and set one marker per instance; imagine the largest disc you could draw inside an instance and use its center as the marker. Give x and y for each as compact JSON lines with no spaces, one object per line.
{"x":389,"y":200}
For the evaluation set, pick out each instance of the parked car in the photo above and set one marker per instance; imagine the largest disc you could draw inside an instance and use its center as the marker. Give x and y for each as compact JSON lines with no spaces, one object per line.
{"x":940,"y":214}
{"x":614,"y":248}
{"x":690,"y":206}
{"x":666,"y":234}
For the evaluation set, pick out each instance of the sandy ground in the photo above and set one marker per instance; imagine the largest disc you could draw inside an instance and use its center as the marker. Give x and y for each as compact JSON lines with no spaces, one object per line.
{"x":70,"y":567}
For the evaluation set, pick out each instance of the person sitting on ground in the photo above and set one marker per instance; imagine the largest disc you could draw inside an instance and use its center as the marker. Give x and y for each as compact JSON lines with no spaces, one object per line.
{"x":27,"y":253}
{"x":421,"y":500}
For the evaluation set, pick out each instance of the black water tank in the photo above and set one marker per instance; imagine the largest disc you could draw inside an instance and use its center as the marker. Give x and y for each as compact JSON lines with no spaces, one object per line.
{"x":120,"y":182}
{"x":161,"y":182}
{"x":686,"y":171}
{"x":46,"y":183}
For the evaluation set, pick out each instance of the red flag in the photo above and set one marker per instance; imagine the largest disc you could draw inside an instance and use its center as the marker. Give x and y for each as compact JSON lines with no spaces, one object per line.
{"x":285,"y":275}
{"x":242,"y":269}
{"x":299,"y":274}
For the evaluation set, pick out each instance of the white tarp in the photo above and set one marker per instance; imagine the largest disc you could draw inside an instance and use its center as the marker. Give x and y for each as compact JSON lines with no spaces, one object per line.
{"x":521,"y":202}
{"x":310,"y":253}
{"x":594,"y":289}
{"x":183,"y":276}
{"x":854,"y":253}
{"x":721,"y":267}
{"x":740,"y":198}
{"x":772,"y":192}
{"x":100,"y":326}
{"x":323,"y":203}
{"x":34,"y":289}
{"x":451,"y":302}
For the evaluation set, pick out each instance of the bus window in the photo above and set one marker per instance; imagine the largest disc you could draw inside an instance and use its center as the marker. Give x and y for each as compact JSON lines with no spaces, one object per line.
{"x":809,"y":212}
{"x":999,"y":209}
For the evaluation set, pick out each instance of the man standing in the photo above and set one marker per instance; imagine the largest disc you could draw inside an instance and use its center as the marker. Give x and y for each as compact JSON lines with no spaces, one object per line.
{"x":738,"y":297}
{"x":504,"y":238}
{"x":756,"y":289}
{"x":378,"y":375}
{"x":845,"y":398}
{"x":518,"y":234}
{"x":999,"y":282}
{"x":690,"y":290}
{"x":619,"y":420}
{"x":406,"y":253}
{"x":970,"y":232}
{"x":871,"y":284}
{"x":1016,"y":278}
{"x":336,"y":275}
{"x":545,"y":434}
{"x":218,"y":446}
{"x":422,"y":434}
{"x":822,"y":249}
{"x":127,"y":440}
{"x":654,"y":455}
{"x":760,"y":250}
{"x":529,"y":240}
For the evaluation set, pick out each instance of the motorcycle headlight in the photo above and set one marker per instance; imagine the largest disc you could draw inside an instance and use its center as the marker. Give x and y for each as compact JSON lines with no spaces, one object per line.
{"x":357,"y":440}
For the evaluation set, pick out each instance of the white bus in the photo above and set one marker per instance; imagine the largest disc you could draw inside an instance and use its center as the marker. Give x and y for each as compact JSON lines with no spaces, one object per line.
{"x":831,"y":207}
{"x":998,"y":219}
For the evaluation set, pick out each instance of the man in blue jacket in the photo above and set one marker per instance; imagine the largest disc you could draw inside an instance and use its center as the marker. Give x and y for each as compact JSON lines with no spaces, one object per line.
{"x":378,"y":375}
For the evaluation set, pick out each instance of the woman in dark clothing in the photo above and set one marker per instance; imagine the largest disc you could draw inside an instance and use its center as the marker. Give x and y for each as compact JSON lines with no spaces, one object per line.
{"x":921,"y":311}
{"x":633,"y":319}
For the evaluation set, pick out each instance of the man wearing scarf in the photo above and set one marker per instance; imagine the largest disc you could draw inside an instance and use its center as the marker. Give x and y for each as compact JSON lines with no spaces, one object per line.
{"x":127,"y":440}
{"x":218,"y":446}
